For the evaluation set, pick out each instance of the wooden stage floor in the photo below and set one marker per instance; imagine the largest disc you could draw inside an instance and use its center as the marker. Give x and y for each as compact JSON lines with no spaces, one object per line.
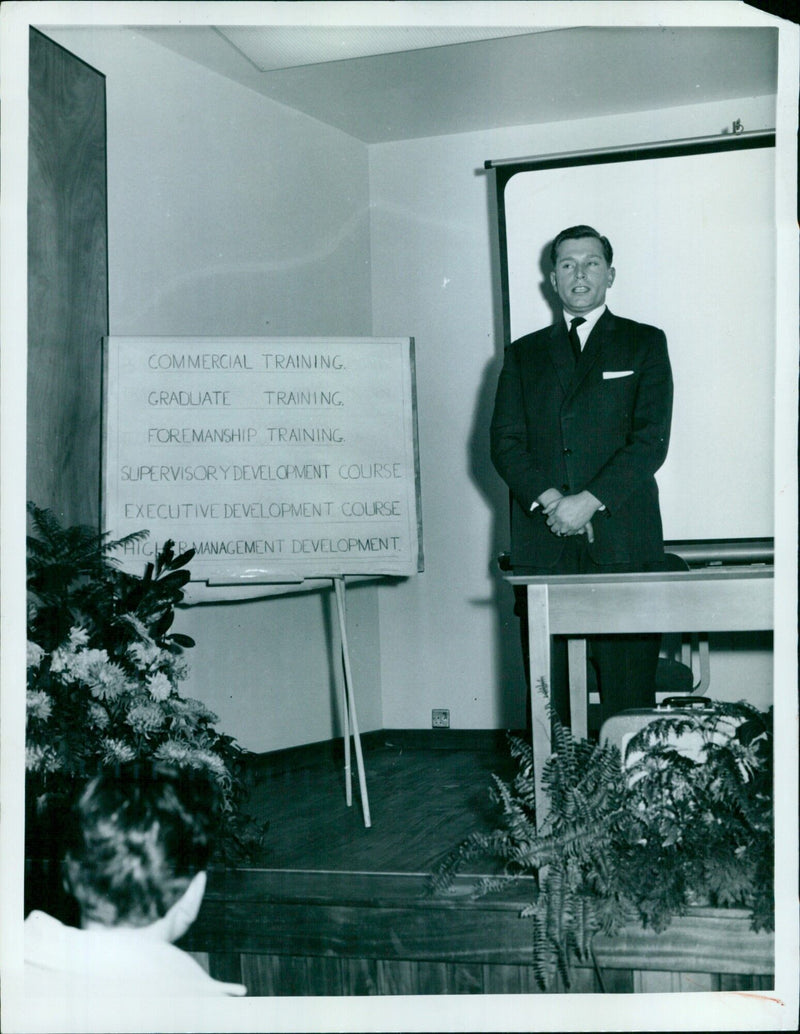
{"x":426,"y":791}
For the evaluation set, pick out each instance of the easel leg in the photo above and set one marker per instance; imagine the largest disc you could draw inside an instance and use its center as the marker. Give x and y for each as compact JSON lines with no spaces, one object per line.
{"x":341,"y":686}
{"x":351,"y":718}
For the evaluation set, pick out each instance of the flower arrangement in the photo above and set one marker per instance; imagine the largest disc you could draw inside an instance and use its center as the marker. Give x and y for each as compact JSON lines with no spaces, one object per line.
{"x":104,"y":669}
{"x":644,"y":840}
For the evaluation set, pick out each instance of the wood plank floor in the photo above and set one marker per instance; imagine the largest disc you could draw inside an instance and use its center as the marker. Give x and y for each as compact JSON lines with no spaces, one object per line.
{"x":427,"y":791}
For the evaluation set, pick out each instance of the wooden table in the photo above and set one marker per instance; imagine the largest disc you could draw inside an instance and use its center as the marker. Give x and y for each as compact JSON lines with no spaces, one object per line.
{"x":711,"y":599}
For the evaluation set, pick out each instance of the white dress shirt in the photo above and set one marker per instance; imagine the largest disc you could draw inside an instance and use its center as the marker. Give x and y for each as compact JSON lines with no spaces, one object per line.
{"x":585,"y":329}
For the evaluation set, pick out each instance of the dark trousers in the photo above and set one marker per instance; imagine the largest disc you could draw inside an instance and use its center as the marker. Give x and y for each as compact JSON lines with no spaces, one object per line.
{"x":625,"y":664}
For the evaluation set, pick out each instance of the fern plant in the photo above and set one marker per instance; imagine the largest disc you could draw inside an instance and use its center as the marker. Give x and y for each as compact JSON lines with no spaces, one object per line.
{"x":704,"y":818}
{"x":638,"y":841}
{"x":576,"y":889}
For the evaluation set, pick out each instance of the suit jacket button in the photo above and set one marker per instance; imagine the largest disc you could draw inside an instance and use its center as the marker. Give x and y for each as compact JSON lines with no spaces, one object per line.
{"x":567,"y":452}
{"x":565,"y":488}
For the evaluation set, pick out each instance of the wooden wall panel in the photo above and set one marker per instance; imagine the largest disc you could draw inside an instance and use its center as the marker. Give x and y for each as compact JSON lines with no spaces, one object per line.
{"x":617,"y":981}
{"x":315,"y":975}
{"x":324,"y":975}
{"x":325,"y":933}
{"x":67,"y":281}
{"x":397,"y":977}
{"x":295,"y":976}
{"x":359,"y":976}
{"x":226,"y":966}
{"x":261,"y":976}
{"x":465,"y":978}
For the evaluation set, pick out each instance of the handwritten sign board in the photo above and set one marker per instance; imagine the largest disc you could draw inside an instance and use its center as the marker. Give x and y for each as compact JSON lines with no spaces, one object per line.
{"x":275,"y":459}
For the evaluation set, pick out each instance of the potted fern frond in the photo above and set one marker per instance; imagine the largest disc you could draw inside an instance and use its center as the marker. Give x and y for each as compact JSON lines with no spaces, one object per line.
{"x":641,"y":842}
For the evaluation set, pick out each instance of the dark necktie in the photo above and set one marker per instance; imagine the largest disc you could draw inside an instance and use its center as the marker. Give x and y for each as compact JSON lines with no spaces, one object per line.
{"x":574,"y":340}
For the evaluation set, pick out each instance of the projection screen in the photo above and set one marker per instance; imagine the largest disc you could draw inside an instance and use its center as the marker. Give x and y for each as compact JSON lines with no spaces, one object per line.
{"x":693,"y":231}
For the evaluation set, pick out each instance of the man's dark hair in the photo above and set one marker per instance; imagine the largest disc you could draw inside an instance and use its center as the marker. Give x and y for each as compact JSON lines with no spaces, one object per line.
{"x":575,"y":233}
{"x":140,"y":833}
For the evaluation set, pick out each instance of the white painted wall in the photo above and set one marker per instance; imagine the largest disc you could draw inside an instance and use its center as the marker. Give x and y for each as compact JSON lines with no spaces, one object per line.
{"x":231,"y":215}
{"x":448,"y":638}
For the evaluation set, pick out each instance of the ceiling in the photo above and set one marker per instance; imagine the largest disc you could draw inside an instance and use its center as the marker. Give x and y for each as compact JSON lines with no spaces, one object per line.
{"x":402,"y":82}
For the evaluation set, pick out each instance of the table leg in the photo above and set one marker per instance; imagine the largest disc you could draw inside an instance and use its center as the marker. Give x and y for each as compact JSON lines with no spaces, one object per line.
{"x":539,"y":653}
{"x":578,"y":688}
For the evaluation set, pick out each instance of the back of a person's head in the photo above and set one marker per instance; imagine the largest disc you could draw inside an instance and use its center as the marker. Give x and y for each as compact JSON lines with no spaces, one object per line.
{"x":141,"y":832}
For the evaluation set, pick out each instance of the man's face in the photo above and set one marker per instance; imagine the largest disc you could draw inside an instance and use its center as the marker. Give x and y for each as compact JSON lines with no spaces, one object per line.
{"x":581,"y":276}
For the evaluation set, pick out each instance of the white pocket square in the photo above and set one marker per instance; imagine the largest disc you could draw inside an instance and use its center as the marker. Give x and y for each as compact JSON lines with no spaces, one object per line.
{"x":610,"y":375}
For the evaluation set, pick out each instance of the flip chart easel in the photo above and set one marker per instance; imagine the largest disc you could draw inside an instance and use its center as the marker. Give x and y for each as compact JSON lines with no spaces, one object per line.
{"x":285,"y":464}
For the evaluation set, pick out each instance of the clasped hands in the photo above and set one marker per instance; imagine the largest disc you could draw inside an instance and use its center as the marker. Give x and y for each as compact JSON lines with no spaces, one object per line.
{"x":569,"y":514}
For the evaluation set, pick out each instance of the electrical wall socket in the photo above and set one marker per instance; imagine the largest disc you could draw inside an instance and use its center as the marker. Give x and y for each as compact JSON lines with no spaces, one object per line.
{"x":440,"y":718}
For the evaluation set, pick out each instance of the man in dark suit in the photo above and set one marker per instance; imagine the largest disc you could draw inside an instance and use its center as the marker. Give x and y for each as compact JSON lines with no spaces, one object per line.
{"x":580,"y":426}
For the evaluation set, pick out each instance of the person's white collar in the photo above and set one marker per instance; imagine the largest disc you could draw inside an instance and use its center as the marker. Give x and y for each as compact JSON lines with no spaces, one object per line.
{"x":585,"y":329}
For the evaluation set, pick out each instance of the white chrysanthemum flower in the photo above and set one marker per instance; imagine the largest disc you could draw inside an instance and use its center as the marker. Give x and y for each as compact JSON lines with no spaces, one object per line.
{"x":58,"y":661}
{"x":78,"y":637}
{"x":193,"y":709}
{"x":184,"y":754}
{"x":33,"y":757}
{"x":35,"y":654}
{"x":145,"y":655}
{"x":86,"y":665}
{"x":179,"y":668}
{"x":144,"y":718}
{"x":159,"y":686}
{"x":107,"y":681}
{"x":39,"y":758}
{"x":183,"y":723}
{"x":213,"y":762}
{"x":174,"y":751}
{"x":98,"y":716}
{"x":117,"y":752}
{"x":38,"y":704}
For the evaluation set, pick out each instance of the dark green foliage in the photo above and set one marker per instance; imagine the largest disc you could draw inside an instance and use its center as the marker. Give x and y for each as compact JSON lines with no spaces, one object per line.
{"x":644,"y":840}
{"x":74,"y":580}
{"x":103,"y":671}
{"x":706,"y":819}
